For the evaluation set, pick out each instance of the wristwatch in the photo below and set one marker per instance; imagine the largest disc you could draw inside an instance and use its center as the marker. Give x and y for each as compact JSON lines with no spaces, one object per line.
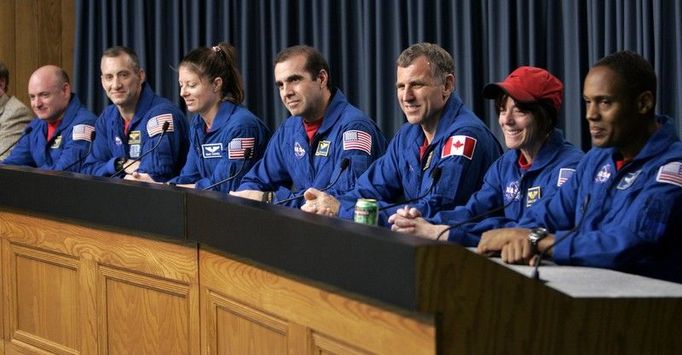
{"x":535,"y":236}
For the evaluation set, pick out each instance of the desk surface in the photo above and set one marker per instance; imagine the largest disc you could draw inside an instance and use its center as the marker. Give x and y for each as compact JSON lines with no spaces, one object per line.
{"x":369,"y":261}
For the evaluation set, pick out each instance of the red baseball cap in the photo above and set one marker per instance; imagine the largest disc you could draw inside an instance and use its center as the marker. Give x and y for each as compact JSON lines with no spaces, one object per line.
{"x":528,"y":84}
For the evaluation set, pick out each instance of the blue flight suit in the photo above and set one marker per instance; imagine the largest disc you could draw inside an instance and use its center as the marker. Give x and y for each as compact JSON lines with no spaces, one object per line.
{"x":514,"y":190}
{"x":111,"y":141}
{"x":220,"y":153}
{"x":290,"y":159}
{"x":628,"y":219}
{"x":400,"y":174}
{"x":66,"y":147}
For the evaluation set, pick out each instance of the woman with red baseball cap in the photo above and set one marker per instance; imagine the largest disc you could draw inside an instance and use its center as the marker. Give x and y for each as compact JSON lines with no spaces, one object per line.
{"x":537,"y":163}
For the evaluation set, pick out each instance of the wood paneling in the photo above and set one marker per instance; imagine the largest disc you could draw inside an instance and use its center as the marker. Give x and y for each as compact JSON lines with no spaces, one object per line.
{"x":35,"y":33}
{"x":44,"y":293}
{"x":371,"y":329}
{"x":75,"y":289}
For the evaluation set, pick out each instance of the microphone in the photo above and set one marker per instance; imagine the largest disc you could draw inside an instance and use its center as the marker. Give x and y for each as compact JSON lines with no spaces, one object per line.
{"x":247,"y":154}
{"x":435,"y":176}
{"x":164,"y":128}
{"x":80,"y":160}
{"x":486,"y":213}
{"x":344,"y":165}
{"x":536,"y":270}
{"x":27,"y":131}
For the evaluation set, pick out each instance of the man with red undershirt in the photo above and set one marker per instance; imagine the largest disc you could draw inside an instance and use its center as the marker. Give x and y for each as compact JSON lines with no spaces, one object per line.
{"x":308,"y":149}
{"x":61,"y":136}
{"x":441,"y":134}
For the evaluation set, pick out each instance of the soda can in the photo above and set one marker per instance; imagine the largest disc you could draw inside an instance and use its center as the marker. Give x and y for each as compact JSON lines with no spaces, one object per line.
{"x":366,"y":211}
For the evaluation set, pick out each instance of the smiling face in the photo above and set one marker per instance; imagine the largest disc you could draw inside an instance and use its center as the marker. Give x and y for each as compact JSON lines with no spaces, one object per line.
{"x":121,"y":80}
{"x":520,"y":128}
{"x":200,"y":95}
{"x":421,"y":95}
{"x":49,"y":94}
{"x":302,"y":93}
{"x":611,"y":114}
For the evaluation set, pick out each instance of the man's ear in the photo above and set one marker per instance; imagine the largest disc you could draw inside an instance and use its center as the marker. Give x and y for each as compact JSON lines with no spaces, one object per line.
{"x":449,"y":85}
{"x":323,"y":76}
{"x":645,"y":102}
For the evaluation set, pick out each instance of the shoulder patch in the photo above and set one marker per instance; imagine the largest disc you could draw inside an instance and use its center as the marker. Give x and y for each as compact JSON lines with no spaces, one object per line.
{"x":564,"y":175}
{"x":155,"y":124}
{"x":459,"y":145}
{"x":670,"y":173}
{"x":82,"y":132}
{"x":358,"y":140}
{"x":237,"y":147}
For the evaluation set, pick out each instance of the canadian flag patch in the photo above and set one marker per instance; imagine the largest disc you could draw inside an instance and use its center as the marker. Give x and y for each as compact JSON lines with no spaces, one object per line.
{"x":459,"y":145}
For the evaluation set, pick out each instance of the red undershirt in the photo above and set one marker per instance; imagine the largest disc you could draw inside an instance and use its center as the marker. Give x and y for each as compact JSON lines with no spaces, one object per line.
{"x":126,"y":126}
{"x":52,"y":128}
{"x":422,"y":149}
{"x":311,"y":128}
{"x":523,"y":163}
{"x":620,"y":163}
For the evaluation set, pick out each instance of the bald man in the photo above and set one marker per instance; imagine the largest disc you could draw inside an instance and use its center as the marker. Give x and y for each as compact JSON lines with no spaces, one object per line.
{"x":60,"y":136}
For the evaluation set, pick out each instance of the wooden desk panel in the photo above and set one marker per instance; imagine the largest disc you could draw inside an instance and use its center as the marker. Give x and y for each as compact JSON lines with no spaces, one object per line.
{"x":70,"y":289}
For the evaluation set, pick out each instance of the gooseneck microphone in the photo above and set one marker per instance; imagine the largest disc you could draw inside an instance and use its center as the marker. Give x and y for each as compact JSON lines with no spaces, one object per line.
{"x":80,"y":160}
{"x":536,"y":270}
{"x":247,"y":154}
{"x":486,"y":213}
{"x":435,"y":176}
{"x":27,"y":131}
{"x":164,"y":128}
{"x":343,"y":166}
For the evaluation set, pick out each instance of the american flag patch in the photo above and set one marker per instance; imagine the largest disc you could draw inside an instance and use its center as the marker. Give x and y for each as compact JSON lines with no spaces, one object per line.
{"x":155,"y":124}
{"x":670,"y":173}
{"x":82,"y":132}
{"x":564,"y":175}
{"x":359,"y":140}
{"x":238,"y":146}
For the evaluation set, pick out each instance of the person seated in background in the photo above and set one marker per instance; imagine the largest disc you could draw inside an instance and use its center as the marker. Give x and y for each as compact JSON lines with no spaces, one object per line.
{"x":61,"y":136}
{"x":324,"y":131}
{"x":441,"y":135}
{"x":14,"y":116}
{"x":537,"y":163}
{"x":226,"y":139}
{"x":622,"y":209}
{"x":130,"y":136}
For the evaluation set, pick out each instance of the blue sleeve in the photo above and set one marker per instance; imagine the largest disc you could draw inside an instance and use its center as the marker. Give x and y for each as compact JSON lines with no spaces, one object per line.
{"x":466,"y":231}
{"x":100,"y":162}
{"x":190,"y":172}
{"x":72,"y":150}
{"x":631,"y":237}
{"x":359,"y":159}
{"x":270,"y":173}
{"x":235,"y":168}
{"x":21,"y":153}
{"x":381,"y":182}
{"x":170,"y":154}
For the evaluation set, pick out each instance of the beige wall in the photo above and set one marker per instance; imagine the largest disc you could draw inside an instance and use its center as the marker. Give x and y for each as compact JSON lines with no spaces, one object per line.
{"x":35,"y":33}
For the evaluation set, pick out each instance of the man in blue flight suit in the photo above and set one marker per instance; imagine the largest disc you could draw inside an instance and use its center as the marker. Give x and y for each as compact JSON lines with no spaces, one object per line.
{"x":537,"y":163}
{"x":61,"y":136}
{"x":128,"y":130}
{"x":622,"y":208}
{"x":327,"y":143}
{"x":442,"y":135}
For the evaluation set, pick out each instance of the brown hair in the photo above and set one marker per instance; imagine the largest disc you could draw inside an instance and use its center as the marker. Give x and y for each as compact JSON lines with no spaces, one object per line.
{"x":314,"y":63}
{"x":219,"y":61}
